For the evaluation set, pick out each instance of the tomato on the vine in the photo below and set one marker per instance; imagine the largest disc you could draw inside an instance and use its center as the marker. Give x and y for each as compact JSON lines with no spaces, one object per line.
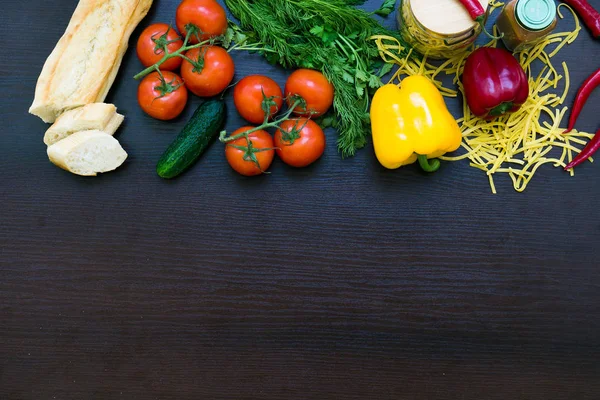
{"x":211,"y":73}
{"x":239,"y":152}
{"x":250,"y":93}
{"x":207,"y":15}
{"x":314,"y":88}
{"x":163,"y":97}
{"x":299,"y":142}
{"x":150,"y":46}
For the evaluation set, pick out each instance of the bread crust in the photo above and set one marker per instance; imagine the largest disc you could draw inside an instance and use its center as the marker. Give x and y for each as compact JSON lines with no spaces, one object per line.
{"x":83,"y":65}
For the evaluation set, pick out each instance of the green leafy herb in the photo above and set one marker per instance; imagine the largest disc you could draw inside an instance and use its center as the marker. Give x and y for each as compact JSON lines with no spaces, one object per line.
{"x":386,"y":8}
{"x":331,"y":36}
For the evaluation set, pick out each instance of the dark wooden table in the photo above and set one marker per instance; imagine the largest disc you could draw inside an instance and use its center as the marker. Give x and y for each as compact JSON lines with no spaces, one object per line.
{"x":340,"y":281}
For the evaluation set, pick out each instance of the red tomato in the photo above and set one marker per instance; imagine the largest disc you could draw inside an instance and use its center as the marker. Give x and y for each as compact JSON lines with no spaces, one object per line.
{"x":159,"y":100}
{"x":305,"y":146}
{"x":260,"y":140}
{"x":215,"y":75}
{"x":248,"y":97}
{"x":149,"y":49}
{"x":314,"y":88}
{"x":207,"y":15}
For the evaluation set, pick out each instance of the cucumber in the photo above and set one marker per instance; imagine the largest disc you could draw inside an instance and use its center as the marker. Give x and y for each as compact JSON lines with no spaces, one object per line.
{"x":191,"y":142}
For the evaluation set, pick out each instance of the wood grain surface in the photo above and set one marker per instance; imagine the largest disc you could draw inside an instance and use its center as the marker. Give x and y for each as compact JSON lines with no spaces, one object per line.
{"x":339,"y":281}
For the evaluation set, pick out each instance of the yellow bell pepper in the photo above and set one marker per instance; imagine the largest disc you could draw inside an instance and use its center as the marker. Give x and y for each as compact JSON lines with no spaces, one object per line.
{"x":411,"y":123}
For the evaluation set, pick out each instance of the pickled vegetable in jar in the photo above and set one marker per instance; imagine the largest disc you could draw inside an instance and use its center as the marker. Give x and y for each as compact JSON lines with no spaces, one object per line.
{"x":438,"y":28}
{"x":524,"y":22}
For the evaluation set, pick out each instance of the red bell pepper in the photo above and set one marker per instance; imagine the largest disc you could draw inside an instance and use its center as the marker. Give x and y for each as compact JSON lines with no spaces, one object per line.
{"x":494,"y":83}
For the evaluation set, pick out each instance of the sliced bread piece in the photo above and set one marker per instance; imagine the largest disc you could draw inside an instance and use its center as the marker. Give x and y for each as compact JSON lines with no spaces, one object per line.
{"x":87,"y":153}
{"x":95,"y":116}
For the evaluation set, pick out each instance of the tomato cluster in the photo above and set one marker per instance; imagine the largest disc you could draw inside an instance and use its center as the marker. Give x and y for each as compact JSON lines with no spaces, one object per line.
{"x":207,"y":70}
{"x":298,"y":141}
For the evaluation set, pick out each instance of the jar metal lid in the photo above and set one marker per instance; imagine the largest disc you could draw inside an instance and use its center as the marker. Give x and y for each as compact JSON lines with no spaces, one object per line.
{"x":536,"y":15}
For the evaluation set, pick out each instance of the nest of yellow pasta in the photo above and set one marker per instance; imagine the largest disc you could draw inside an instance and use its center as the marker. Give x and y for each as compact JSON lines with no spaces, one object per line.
{"x":516,"y":144}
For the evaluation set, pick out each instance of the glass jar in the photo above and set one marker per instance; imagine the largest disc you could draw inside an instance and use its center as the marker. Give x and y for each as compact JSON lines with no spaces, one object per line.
{"x":525,"y":22}
{"x":438,"y":28}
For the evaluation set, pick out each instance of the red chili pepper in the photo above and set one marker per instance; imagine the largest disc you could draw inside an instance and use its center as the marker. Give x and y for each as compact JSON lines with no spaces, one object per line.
{"x":494,"y":82}
{"x":582,"y":97}
{"x":590,"y":17}
{"x":474,"y":8}
{"x":477,"y":12}
{"x":588,"y":151}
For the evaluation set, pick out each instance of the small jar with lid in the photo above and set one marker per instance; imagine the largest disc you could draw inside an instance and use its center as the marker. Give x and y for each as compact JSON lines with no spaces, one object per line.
{"x":438,"y":28}
{"x":524,"y":22}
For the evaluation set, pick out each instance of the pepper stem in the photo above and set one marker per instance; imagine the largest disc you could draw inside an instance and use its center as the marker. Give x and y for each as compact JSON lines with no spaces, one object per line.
{"x":481,"y":21}
{"x":428,"y":166}
{"x":501,"y":109}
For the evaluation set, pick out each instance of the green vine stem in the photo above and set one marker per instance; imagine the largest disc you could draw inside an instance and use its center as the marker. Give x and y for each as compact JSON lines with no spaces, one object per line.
{"x":265,"y":125}
{"x":290,"y":137}
{"x":165,"y":87}
{"x":191,"y":30}
{"x":249,"y":150}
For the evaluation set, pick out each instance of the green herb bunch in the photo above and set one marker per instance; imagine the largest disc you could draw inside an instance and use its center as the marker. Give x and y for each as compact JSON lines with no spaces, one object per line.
{"x":331,"y":36}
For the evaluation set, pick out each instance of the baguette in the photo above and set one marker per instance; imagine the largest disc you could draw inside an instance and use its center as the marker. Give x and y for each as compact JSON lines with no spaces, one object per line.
{"x":87,"y":153}
{"x":95,"y":116}
{"x":83,"y":65}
